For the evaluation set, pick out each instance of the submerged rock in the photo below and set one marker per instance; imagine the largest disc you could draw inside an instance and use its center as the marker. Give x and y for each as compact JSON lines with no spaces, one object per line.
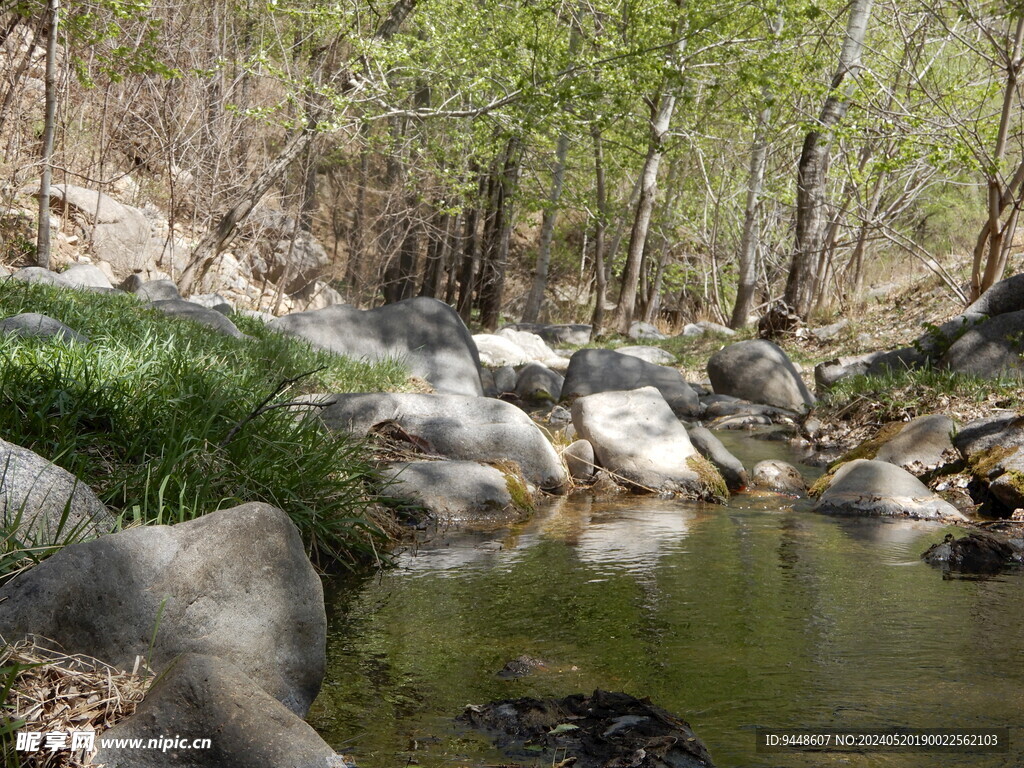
{"x":974,"y":553}
{"x":458,"y":491}
{"x":603,"y":730}
{"x":521,"y":666}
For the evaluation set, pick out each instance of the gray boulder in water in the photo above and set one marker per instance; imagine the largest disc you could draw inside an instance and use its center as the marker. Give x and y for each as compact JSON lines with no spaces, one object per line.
{"x":880,"y":489}
{"x":425,"y":334}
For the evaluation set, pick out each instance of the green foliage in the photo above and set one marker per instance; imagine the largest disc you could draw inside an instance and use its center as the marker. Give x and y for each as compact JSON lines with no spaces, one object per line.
{"x":153,"y":414}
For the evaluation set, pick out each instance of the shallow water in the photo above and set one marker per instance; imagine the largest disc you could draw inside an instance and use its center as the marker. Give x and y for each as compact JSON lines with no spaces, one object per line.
{"x":755,"y":614}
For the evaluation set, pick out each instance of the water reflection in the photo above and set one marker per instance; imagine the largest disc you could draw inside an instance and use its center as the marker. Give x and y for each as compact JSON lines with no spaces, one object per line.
{"x":754,"y":614}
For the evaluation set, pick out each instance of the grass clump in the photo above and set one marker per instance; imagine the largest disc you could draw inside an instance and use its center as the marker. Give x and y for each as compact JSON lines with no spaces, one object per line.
{"x":161,"y":416}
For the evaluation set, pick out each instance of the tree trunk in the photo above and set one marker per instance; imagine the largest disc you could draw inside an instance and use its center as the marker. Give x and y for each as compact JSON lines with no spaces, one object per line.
{"x":600,"y":275}
{"x":750,"y":243}
{"x":996,"y":237}
{"x":49,"y":128}
{"x":812,"y":174}
{"x":500,"y":224}
{"x":660,"y":119}
{"x":547,"y":233}
{"x":471,"y":252}
{"x":357,"y":241}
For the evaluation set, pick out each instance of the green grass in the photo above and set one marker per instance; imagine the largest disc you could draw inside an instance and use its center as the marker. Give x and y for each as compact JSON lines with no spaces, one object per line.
{"x":152,"y":415}
{"x":900,"y":394}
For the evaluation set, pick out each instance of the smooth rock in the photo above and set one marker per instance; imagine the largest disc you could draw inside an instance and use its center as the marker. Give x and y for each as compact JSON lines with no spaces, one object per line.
{"x":576,"y":335}
{"x":642,"y":330}
{"x":601,"y":370}
{"x":711,"y":448}
{"x":828,"y":332}
{"x":636,"y":436}
{"x":903,"y":359}
{"x":456,"y":491}
{"x":154,"y":290}
{"x":539,"y":384}
{"x":213,"y":301}
{"x":235,"y":583}
{"x":990,"y":349}
{"x":120,"y":234}
{"x":505,"y":379}
{"x":42,"y":504}
{"x":1001,"y":298}
{"x":456,"y":427}
{"x":425,"y":334}
{"x":534,"y":346}
{"x":40,"y":276}
{"x":759,"y":371}
{"x":579,"y":458}
{"x":496,"y":351}
{"x":211,"y":318}
{"x":923,"y":445}
{"x":709,"y":327}
{"x":205,"y":697}
{"x":41,"y":326}
{"x":778,"y":477}
{"x":880,"y":489}
{"x":86,"y":276}
{"x":653,"y":355}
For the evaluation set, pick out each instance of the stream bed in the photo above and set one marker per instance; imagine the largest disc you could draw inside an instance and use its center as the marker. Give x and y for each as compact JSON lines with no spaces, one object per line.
{"x":759,"y":613}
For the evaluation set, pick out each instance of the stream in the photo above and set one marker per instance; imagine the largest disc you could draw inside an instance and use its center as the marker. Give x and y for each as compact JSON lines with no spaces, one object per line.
{"x":758,"y":613}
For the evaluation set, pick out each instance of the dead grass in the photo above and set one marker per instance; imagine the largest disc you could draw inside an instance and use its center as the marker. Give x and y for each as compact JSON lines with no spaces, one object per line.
{"x":58,"y":692}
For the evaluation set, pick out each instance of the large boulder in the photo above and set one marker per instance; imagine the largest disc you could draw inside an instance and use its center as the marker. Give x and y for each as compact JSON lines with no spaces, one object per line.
{"x":879,"y":489}
{"x":994,"y":450}
{"x":152,"y":290}
{"x":42,"y":504}
{"x":1003,"y":297}
{"x":990,"y":349}
{"x":923,"y":445}
{"x":511,"y":347}
{"x":32,"y":324}
{"x":457,"y":491}
{"x":654,"y":355}
{"x":40,"y":276}
{"x":602,"y":370}
{"x":87,"y":276}
{"x":235,"y":584}
{"x":456,"y":427}
{"x":204,"y":697}
{"x":426,"y":334}
{"x":120,"y":234}
{"x":636,"y":436}
{"x":759,"y":371}
{"x":211,"y":318}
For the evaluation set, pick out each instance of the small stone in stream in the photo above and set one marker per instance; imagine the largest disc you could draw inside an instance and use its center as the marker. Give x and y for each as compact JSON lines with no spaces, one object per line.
{"x":778,"y":476}
{"x":521,"y":666}
{"x":973,"y":553}
{"x":603,"y":730}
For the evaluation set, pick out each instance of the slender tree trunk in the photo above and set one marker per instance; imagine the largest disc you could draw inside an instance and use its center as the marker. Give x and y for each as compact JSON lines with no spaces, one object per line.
{"x":750,"y":243}
{"x":49,"y":128}
{"x":660,"y":120}
{"x":600,"y":275}
{"x":357,"y":241}
{"x":812,"y":174}
{"x":990,"y":248}
{"x":471,"y":252}
{"x":547,"y":234}
{"x":501,"y":220}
